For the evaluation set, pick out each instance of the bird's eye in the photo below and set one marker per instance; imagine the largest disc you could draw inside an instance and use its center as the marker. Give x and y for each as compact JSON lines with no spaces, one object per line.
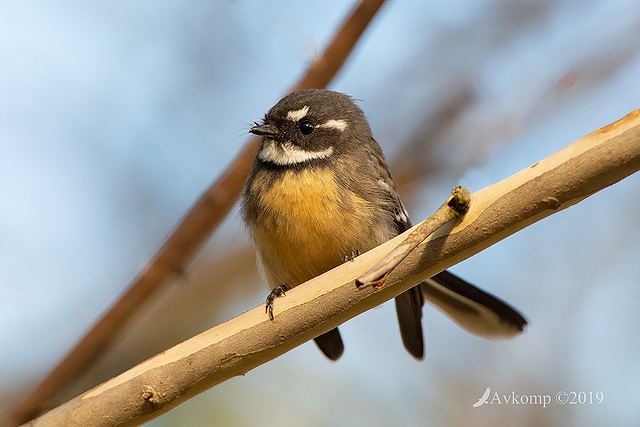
{"x":306,"y":127}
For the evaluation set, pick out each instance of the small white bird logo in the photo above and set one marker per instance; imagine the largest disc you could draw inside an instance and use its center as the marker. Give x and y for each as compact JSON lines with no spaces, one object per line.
{"x":484,"y":399}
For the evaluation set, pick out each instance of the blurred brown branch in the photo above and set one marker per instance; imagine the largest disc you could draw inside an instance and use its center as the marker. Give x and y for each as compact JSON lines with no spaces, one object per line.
{"x":192,"y":231}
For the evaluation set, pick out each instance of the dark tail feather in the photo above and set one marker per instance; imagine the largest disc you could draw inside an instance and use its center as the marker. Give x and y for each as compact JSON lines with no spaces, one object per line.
{"x":409,"y":310}
{"x":473,"y":309}
{"x":331,"y":344}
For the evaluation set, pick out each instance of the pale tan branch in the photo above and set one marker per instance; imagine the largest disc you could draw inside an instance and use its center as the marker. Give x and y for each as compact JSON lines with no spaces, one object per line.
{"x":452,"y":209}
{"x":251,"y":339}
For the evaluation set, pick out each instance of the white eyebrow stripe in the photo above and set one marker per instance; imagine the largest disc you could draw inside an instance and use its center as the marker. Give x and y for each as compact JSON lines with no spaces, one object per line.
{"x":334,"y":124}
{"x":296,"y":115}
{"x":288,"y":154}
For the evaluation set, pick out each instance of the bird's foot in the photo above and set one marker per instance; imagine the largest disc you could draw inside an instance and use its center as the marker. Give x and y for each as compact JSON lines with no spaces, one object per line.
{"x":275,"y":293}
{"x":351,"y":256}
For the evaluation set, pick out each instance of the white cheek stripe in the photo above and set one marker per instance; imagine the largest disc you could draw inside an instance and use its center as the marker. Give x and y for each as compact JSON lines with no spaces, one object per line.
{"x":296,"y":115}
{"x":289,"y":154}
{"x":334,"y":124}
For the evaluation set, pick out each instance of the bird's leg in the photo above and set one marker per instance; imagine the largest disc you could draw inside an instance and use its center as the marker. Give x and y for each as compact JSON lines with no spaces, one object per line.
{"x":275,"y":293}
{"x":351,"y":256}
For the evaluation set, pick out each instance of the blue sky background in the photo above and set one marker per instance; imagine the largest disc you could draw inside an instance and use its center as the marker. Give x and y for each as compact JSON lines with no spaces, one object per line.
{"x":114,"y":117}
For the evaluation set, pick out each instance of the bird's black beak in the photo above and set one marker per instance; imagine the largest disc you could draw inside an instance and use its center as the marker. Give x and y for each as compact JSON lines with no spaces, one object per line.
{"x":264,"y":130}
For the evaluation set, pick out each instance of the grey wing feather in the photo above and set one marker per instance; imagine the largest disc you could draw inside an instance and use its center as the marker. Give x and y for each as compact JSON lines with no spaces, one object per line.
{"x":408,"y":304}
{"x":471,"y":308}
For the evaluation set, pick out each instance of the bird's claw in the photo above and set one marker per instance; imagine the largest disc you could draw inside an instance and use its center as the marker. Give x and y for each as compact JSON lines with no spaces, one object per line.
{"x":275,"y":293}
{"x":352,"y":256}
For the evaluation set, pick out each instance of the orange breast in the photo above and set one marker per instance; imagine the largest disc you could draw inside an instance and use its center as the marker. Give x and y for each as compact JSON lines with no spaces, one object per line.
{"x":307,"y":224}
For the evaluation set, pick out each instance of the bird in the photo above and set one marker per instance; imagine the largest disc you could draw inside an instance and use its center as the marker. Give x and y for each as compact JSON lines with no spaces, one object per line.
{"x":320,"y":192}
